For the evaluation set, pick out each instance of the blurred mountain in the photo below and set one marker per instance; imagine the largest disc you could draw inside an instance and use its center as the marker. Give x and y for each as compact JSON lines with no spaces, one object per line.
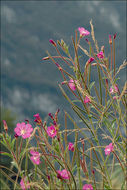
{"x":29,"y":86}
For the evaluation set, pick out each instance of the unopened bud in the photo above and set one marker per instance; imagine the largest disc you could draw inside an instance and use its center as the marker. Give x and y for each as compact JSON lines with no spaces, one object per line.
{"x":110,"y":39}
{"x":87,"y":40}
{"x":16,"y":136}
{"x":45,"y":58}
{"x":5,"y":126}
{"x":91,"y":59}
{"x":106,"y":80}
{"x":102,"y":48}
{"x":27,"y":120}
{"x":58,"y":138}
{"x":59,"y":67}
{"x":114,"y":36}
{"x":64,"y":82}
{"x":58,"y":42}
{"x":50,"y":115}
{"x":52,"y":42}
{"x":82,"y":141}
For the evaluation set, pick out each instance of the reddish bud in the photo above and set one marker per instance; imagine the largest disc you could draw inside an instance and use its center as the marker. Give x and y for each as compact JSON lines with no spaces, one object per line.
{"x":5,"y":126}
{"x":114,"y":36}
{"x":59,"y":67}
{"x":27,"y":120}
{"x":87,"y":40}
{"x":91,"y":59}
{"x":50,"y":115}
{"x":106,"y":80}
{"x":54,"y":122}
{"x":110,"y":39}
{"x":37,"y":119}
{"x":93,"y":172}
{"x":52,"y":42}
{"x":16,"y":136}
{"x":58,"y":138}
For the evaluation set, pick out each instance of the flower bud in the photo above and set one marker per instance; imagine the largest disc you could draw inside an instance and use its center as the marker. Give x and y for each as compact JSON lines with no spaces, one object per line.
{"x":110,"y":39}
{"x":106,"y":80}
{"x":5,"y":126}
{"x":45,"y":58}
{"x":102,"y":48}
{"x":114,"y":36}
{"x":27,"y":120}
{"x":52,"y":42}
{"x":16,"y":136}
{"x":87,"y":40}
{"x":59,"y":67}
{"x":91,"y":59}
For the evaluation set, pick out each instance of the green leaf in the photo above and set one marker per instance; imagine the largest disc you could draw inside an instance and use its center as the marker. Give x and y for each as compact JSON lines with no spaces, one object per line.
{"x":7,"y":154}
{"x":91,"y":85}
{"x":12,"y":143}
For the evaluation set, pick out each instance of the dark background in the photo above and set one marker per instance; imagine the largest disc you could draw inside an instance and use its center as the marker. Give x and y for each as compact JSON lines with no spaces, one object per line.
{"x":29,"y":87}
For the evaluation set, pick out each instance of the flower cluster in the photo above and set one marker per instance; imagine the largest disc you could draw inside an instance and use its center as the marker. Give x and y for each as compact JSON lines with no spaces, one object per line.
{"x":37,"y":119}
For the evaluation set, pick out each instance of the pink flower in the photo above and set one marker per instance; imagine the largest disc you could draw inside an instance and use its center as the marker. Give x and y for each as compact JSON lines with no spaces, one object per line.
{"x":87,"y":187}
{"x":83,"y":32}
{"x":35,"y":157}
{"x":108,"y":149}
{"x":51,"y":131}
{"x":71,"y":84}
{"x":91,"y":59}
{"x":71,"y":146}
{"x":23,"y":130}
{"x":100,"y":55}
{"x":114,"y":89}
{"x":87,"y":100}
{"x":37,"y":119}
{"x":25,"y":185}
{"x":64,"y":174}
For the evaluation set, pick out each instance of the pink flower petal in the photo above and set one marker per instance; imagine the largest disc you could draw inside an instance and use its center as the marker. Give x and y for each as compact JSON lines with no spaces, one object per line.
{"x":83,"y":32}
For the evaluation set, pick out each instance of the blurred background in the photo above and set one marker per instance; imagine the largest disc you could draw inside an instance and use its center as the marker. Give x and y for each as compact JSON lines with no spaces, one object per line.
{"x":28,"y":86}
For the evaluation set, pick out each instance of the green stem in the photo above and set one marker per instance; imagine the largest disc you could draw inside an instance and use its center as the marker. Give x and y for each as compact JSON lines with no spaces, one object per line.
{"x":114,"y":55}
{"x":26,"y":161}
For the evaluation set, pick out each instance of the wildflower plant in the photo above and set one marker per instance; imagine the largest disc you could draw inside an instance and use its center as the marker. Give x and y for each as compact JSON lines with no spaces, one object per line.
{"x":98,"y":149}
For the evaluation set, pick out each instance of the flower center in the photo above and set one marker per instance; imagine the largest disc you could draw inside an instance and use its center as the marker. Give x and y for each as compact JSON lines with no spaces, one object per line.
{"x":108,"y":149}
{"x":23,"y":132}
{"x":52,"y":132}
